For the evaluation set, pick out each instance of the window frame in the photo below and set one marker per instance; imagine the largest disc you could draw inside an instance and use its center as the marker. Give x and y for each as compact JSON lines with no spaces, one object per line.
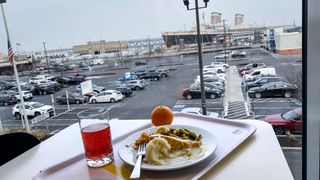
{"x":310,"y":65}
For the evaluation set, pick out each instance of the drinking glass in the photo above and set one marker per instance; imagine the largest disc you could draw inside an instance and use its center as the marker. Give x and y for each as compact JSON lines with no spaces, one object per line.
{"x":96,"y":136}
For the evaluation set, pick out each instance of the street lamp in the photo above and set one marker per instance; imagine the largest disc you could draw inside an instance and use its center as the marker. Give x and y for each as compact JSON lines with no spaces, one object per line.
{"x":224,"y":41}
{"x":203,"y":94}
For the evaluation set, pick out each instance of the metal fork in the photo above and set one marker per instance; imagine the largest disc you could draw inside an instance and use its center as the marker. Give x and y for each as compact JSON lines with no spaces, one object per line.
{"x":137,"y":167}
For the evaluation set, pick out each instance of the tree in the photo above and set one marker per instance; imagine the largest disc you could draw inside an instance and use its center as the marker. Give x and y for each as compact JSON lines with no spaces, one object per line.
{"x":295,"y":77}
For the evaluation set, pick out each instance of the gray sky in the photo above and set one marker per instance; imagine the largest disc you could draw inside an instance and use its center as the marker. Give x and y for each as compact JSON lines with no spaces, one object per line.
{"x":63,"y":23}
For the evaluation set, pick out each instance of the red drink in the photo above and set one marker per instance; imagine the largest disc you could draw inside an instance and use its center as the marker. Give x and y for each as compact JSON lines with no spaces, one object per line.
{"x":97,"y":141}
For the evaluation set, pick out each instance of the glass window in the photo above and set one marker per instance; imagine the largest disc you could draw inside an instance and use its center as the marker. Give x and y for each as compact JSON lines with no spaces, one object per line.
{"x":154,"y":34}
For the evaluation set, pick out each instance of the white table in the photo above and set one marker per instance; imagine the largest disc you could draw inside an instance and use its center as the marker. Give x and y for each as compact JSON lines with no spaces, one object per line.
{"x":259,"y":157}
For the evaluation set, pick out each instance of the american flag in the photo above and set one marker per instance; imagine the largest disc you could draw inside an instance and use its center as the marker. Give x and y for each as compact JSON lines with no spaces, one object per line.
{"x":10,"y":53}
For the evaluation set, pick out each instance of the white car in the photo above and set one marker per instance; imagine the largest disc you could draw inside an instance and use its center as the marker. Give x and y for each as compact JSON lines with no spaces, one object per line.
{"x":220,"y":64}
{"x":223,"y":76}
{"x":210,"y":76}
{"x":46,"y":82}
{"x":45,"y":76}
{"x":107,"y":96}
{"x":198,"y":111}
{"x":27,"y":95}
{"x":221,"y":56}
{"x":36,"y":80}
{"x":213,"y":68}
{"x":32,"y":109}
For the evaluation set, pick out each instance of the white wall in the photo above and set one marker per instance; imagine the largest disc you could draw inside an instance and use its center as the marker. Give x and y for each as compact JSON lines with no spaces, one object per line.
{"x":288,"y":41}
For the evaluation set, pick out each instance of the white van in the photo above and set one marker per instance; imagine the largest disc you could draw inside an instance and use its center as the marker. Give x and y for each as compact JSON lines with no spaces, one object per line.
{"x":270,"y":71}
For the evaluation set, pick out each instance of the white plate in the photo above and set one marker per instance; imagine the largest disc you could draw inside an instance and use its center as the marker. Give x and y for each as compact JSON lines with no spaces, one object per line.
{"x":209,"y":143}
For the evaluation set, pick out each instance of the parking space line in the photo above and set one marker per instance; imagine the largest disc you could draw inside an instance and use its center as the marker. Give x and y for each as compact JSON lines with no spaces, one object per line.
{"x":282,"y":107}
{"x":292,"y":148}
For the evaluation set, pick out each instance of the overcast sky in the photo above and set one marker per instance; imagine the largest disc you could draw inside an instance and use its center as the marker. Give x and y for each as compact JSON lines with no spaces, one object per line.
{"x":63,"y":23}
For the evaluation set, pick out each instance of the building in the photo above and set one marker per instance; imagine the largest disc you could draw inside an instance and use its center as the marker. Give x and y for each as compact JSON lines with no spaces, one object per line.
{"x":214,"y":35}
{"x":238,"y":19}
{"x":286,"y":42}
{"x":22,"y":62}
{"x":139,"y":46}
{"x":215,"y":18}
{"x":51,"y":54}
{"x":100,"y":47}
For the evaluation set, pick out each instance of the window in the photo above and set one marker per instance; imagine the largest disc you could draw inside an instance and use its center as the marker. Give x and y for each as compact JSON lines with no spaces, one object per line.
{"x":162,"y":34}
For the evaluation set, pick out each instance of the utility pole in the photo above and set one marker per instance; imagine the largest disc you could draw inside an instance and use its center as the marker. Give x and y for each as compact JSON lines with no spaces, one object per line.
{"x":45,"y":54}
{"x":26,"y":122}
{"x":224,"y":41}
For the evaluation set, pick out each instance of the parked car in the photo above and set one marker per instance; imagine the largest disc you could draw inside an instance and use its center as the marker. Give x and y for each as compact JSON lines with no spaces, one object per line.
{"x":221,"y":56}
{"x":140,"y":73}
{"x":88,"y":95}
{"x":262,"y":81}
{"x":195,"y":92}
{"x":23,"y":88}
{"x":214,"y":68}
{"x":32,"y":109}
{"x":198,"y":111}
{"x":136,"y":84}
{"x":7,"y":100}
{"x":153,"y":76}
{"x":73,"y":98}
{"x":43,"y":89}
{"x":208,"y":85}
{"x":45,"y":76}
{"x":140,"y":63}
{"x":291,"y":120}
{"x":126,"y":91}
{"x":55,"y":85}
{"x":95,"y":88}
{"x":36,"y":80}
{"x":215,"y":80}
{"x":75,"y":80}
{"x":223,"y":76}
{"x":97,"y":62}
{"x":268,"y":71}
{"x":163,"y":72}
{"x":107,"y":96}
{"x":67,"y":68}
{"x":131,"y":77}
{"x":5,"y":85}
{"x":250,"y":66}
{"x":27,"y":95}
{"x":220,"y":64}
{"x":273,"y":89}
{"x":238,"y":54}
{"x":61,"y":80}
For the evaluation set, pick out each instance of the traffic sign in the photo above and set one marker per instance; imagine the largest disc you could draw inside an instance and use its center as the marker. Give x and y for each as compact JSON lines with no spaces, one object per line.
{"x":86,"y":87}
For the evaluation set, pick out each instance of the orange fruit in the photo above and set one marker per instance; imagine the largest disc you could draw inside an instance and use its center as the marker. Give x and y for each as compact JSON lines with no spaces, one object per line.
{"x":161,"y":115}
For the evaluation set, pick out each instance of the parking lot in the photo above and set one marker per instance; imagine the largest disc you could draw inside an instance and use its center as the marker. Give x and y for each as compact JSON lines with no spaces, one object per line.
{"x":167,"y":91}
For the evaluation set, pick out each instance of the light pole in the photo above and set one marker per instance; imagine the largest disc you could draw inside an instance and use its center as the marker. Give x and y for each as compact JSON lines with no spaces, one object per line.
{"x":26,"y":122}
{"x":203,"y":94}
{"x":45,"y":54}
{"x":224,"y":41}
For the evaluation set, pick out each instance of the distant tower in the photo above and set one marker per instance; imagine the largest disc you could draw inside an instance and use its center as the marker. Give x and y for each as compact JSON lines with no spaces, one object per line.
{"x":215,"y":18}
{"x":238,"y":19}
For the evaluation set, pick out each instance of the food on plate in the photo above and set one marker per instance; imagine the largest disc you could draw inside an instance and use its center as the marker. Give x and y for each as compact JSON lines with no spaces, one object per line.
{"x":161,"y":115}
{"x":157,"y":150}
{"x":167,"y":143}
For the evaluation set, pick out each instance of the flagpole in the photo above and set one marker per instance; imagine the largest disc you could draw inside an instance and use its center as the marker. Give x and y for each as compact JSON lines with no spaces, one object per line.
{"x":16,"y":75}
